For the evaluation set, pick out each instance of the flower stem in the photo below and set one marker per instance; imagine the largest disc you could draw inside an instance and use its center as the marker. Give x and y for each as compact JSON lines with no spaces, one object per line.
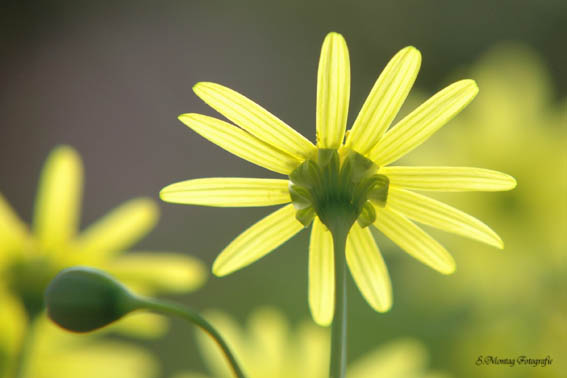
{"x":26,"y":347}
{"x":339,"y":327}
{"x":193,"y":317}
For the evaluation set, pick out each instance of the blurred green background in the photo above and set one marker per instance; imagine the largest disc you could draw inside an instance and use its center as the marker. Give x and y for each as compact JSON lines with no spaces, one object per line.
{"x":109,"y":78}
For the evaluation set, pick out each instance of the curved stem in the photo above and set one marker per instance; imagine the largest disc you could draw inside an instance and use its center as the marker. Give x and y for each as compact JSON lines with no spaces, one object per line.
{"x":339,"y":327}
{"x":193,"y":317}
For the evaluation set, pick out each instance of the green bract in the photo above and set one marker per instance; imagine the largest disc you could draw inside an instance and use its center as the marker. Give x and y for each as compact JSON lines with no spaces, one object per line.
{"x":334,"y":183}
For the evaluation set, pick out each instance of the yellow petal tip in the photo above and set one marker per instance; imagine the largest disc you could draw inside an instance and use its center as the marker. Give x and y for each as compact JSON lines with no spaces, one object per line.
{"x":66,"y":155}
{"x":413,"y":50}
{"x":219,"y":270}
{"x":448,"y":269}
{"x":322,"y":318}
{"x":200,"y":85}
{"x":470,"y":83}
{"x":163,"y":193}
{"x":383,"y":308}
{"x":513,"y":183}
{"x":66,"y":150}
{"x":148,"y":205}
{"x":499,"y":244}
{"x":184,"y":117}
{"x":334,"y":35}
{"x":323,"y":322}
{"x":334,"y":38}
{"x":187,"y":118}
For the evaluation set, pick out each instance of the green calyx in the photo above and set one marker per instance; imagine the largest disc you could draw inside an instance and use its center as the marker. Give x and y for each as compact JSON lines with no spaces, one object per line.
{"x":331,"y":186}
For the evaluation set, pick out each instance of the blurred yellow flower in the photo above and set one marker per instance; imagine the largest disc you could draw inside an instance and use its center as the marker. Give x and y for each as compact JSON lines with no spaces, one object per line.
{"x":373,"y":191}
{"x":55,"y":353}
{"x":29,"y":260}
{"x":376,"y":193}
{"x":268,"y":347}
{"x":518,"y":302}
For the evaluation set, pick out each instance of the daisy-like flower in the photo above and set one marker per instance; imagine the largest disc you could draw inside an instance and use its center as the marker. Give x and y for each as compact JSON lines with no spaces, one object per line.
{"x":29,"y":260}
{"x":345,"y":181}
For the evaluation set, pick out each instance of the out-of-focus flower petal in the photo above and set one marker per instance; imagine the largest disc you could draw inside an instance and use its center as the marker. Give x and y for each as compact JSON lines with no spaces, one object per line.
{"x":118,"y":230}
{"x":57,"y":208}
{"x":155,"y":272}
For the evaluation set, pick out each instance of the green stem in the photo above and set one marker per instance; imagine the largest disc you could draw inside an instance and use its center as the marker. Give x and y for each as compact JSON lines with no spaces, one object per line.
{"x":25,"y":349}
{"x":339,"y":327}
{"x":193,"y":317}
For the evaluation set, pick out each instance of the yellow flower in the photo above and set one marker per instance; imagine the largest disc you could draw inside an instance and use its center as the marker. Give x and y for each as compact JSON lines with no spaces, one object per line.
{"x":29,"y":260}
{"x":55,"y":353}
{"x":352,"y":166}
{"x":269,"y":347}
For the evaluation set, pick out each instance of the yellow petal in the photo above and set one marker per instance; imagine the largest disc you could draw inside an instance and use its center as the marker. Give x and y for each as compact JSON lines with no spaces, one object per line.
{"x":439,"y":215}
{"x":156,"y":272}
{"x":333,"y":91}
{"x":420,"y":124}
{"x":368,"y":269}
{"x":241,"y":143}
{"x":385,"y":100}
{"x":449,"y":179}
{"x":13,"y":232}
{"x":57,"y":208}
{"x":228,"y":192}
{"x":254,"y":119}
{"x":118,"y":230}
{"x":414,"y":240}
{"x":258,"y":240}
{"x":321,"y":274}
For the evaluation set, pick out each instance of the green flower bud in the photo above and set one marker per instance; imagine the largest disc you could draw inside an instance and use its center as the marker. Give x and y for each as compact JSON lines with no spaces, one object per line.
{"x":82,"y":299}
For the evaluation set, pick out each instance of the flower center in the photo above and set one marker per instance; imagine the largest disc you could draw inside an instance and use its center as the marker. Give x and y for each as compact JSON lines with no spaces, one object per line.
{"x":334,"y":186}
